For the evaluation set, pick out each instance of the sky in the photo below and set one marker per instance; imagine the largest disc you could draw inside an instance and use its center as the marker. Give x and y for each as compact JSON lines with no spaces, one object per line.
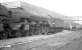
{"x":65,"y":7}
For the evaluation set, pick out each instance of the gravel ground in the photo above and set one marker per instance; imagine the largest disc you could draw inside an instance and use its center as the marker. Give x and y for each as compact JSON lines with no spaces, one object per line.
{"x":50,"y":42}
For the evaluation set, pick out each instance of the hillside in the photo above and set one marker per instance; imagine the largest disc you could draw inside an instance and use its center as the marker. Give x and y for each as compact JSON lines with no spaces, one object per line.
{"x":34,"y":9}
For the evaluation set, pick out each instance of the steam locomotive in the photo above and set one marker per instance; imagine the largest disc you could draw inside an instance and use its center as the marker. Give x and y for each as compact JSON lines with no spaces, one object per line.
{"x":13,"y":27}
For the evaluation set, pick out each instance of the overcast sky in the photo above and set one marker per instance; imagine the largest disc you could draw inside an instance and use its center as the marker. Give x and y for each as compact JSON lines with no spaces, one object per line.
{"x":65,"y":7}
